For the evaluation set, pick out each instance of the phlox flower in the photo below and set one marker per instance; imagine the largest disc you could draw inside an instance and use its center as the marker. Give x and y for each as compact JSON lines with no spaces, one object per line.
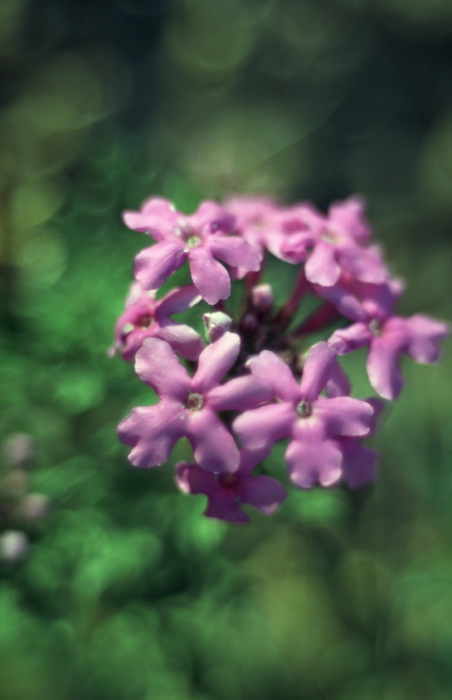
{"x":147,"y":317}
{"x":227,"y":493}
{"x":388,"y":338}
{"x":335,"y":243}
{"x":188,"y":406}
{"x":202,"y":238}
{"x":311,"y":421}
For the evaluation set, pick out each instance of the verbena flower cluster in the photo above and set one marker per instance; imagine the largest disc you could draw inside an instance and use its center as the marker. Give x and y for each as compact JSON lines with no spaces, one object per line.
{"x":258,"y":378}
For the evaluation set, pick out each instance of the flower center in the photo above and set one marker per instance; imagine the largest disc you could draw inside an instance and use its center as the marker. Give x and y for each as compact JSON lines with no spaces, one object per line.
{"x":375,"y":327}
{"x":195,"y":402}
{"x":229,"y":479}
{"x":304,"y":409}
{"x":145,"y":321}
{"x":188,"y":235}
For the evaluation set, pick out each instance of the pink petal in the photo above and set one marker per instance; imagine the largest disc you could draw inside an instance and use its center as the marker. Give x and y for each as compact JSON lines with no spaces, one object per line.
{"x":213,"y":445}
{"x":265,"y":425}
{"x":383,"y":367}
{"x":351,"y":338}
{"x":275,"y":374}
{"x":262,"y":492}
{"x":215,"y":361}
{"x":313,"y":459}
{"x":344,"y":415}
{"x":177,"y":301}
{"x":359,"y":463}
{"x":212,"y":217}
{"x":317,"y":370}
{"x":192,"y":479}
{"x":425,"y":334}
{"x":183,"y":339}
{"x":235,"y":251}
{"x":152,"y":432}
{"x":338,"y":384}
{"x":208,"y":275}
{"x":348,"y":216}
{"x":365,"y":264}
{"x":154,"y":265}
{"x":224,"y":505}
{"x":321,"y":266}
{"x":157,"y":365}
{"x":239,"y":394}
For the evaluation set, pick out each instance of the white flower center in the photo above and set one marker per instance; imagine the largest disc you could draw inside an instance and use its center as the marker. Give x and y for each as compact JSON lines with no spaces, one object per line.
{"x":195,"y":402}
{"x":304,"y":409}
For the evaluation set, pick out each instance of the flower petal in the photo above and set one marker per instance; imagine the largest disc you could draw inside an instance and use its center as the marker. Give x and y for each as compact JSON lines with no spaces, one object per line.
{"x":344,"y":415}
{"x":152,"y":432}
{"x":344,"y":340}
{"x":262,"y":492}
{"x":154,"y":265}
{"x":177,"y":301}
{"x":383,"y":367}
{"x":275,"y":374}
{"x":213,"y":445}
{"x":425,"y":334}
{"x":263,"y":426}
{"x":321,"y":266}
{"x":157,"y":365}
{"x":359,"y":463}
{"x":318,"y":369}
{"x":183,"y":339}
{"x":313,"y":459}
{"x":239,"y":394}
{"x":235,"y":251}
{"x":208,"y":275}
{"x":215,"y":360}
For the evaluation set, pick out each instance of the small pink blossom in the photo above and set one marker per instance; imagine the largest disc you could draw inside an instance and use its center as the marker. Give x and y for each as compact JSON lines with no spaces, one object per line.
{"x":147,"y":317}
{"x":387,"y":339}
{"x":188,"y":406}
{"x":201,"y":238}
{"x":227,"y":493}
{"x":312,"y":421}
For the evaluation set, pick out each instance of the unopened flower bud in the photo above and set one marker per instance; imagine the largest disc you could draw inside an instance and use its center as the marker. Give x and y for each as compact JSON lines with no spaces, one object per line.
{"x":217,"y":324}
{"x":13,"y":546}
{"x":262,"y":297}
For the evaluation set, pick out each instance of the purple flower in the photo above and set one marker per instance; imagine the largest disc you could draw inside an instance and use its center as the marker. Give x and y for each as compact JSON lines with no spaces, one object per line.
{"x":311,"y":421}
{"x":387,"y":339}
{"x":188,"y":406}
{"x":227,"y":493}
{"x":336,"y":243}
{"x":147,"y":317}
{"x":201,"y":238}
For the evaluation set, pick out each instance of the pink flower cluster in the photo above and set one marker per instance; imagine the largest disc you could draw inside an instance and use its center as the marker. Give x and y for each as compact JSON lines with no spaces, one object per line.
{"x":257,"y":378}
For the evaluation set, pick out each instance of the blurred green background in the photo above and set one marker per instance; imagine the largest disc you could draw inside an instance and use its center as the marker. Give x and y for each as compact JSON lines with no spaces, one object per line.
{"x":128,"y":593}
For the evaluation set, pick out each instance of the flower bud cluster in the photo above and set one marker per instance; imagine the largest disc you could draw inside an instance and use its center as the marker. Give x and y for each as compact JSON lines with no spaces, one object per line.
{"x":19,"y":510}
{"x":259,"y":379}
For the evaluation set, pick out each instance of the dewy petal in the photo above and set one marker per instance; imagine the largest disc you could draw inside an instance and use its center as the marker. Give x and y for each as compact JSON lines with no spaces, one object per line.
{"x":321,"y":266}
{"x":275,"y":374}
{"x":344,"y":340}
{"x":157,"y":217}
{"x":262,"y":492}
{"x":152,"y":432}
{"x":215,"y":361}
{"x":317,"y":370}
{"x":263,"y":426}
{"x":177,"y":301}
{"x":208,"y":275}
{"x":313,"y":459}
{"x":157,"y":365}
{"x":183,"y":339}
{"x":344,"y":415}
{"x":213,"y":445}
{"x":383,"y":368}
{"x":235,"y":251}
{"x":154,"y":265}
{"x":425,"y":333}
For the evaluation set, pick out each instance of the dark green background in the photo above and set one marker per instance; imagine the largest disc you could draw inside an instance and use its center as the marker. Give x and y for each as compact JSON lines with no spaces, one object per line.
{"x":128,"y":592}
